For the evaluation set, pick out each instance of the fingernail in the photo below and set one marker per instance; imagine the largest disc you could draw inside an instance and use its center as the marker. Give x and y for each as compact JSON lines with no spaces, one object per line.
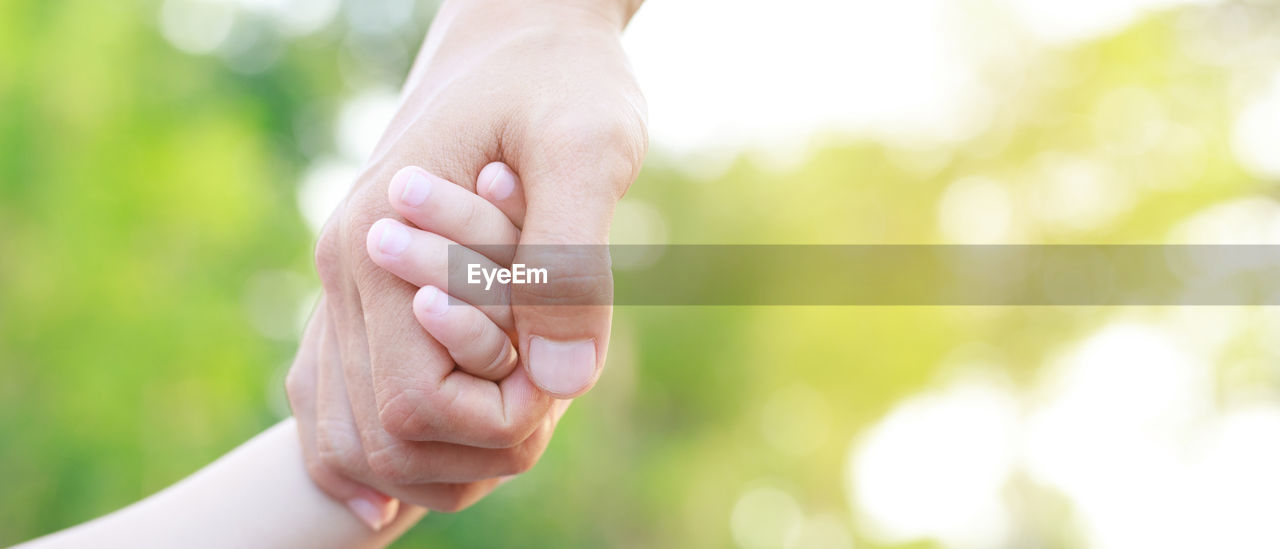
{"x":375,"y":514}
{"x":433,"y":301}
{"x":415,"y":187}
{"x":562,"y":367}
{"x":500,"y":181}
{"x":394,"y":238}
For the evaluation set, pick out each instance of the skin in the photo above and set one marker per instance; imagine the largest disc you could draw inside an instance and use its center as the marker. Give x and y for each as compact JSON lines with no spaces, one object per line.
{"x":255,"y":496}
{"x":544,"y":87}
{"x":259,"y":494}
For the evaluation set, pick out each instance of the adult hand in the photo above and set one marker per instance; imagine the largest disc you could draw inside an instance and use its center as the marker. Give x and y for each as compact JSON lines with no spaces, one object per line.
{"x":543,"y":86}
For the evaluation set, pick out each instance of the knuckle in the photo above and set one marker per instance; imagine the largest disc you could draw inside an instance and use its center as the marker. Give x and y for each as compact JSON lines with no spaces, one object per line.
{"x":508,"y":435}
{"x":577,"y":275}
{"x":365,"y":207}
{"x":504,"y":357}
{"x":340,"y":253}
{"x":336,"y":451}
{"x":521,"y":460}
{"x":388,"y":464}
{"x":295,"y":385}
{"x":322,"y":474}
{"x":468,"y":213}
{"x":328,"y":257}
{"x":566,"y":289}
{"x":530,"y":451}
{"x":401,"y":414}
{"x":414,"y":414}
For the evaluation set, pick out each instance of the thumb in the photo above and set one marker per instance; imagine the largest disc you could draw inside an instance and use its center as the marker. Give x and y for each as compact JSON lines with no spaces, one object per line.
{"x":563,"y":323}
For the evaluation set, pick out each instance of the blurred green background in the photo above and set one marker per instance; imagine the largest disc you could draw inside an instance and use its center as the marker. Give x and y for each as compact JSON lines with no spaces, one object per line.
{"x":163,"y":167}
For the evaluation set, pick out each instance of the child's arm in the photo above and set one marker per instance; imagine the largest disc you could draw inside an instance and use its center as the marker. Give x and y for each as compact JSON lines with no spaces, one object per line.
{"x":258,"y":495}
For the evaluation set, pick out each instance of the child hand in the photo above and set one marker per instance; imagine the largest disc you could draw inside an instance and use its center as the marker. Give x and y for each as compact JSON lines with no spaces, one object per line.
{"x":476,"y":328}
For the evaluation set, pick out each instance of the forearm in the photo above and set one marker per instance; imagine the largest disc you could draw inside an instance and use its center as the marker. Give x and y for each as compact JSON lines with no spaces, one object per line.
{"x":258,"y":495}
